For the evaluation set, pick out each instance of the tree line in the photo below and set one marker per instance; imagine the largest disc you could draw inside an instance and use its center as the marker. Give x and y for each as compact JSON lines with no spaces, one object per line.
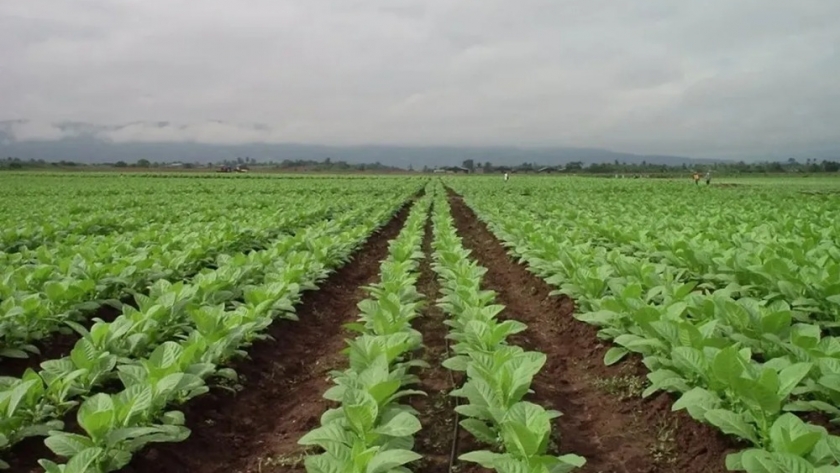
{"x":616,"y":167}
{"x":576,"y":167}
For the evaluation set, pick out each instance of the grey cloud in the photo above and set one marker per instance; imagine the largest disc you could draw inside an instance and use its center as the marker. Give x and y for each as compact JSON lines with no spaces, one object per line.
{"x":717,"y":78}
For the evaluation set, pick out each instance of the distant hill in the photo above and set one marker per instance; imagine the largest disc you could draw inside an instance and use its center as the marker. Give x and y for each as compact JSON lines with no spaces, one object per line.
{"x":92,"y":150}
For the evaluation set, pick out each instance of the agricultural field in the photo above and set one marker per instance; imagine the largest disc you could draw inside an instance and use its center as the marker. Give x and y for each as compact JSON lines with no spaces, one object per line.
{"x":208,"y":323}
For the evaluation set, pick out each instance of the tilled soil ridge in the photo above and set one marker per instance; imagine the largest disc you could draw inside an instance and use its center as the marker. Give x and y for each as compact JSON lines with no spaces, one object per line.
{"x":257,"y":429}
{"x":604,"y":418}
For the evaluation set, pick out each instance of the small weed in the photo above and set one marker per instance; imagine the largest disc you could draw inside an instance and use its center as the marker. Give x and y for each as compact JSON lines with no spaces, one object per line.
{"x":625,"y":387}
{"x":293,"y":460}
{"x":664,"y":450}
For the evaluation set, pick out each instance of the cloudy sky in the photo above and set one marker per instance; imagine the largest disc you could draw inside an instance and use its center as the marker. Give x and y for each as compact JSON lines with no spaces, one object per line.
{"x":725,"y":78}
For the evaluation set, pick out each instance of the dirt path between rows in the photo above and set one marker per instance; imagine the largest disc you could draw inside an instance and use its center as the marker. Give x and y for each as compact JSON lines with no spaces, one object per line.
{"x":604,"y":418}
{"x":257,"y":430}
{"x":436,"y":412}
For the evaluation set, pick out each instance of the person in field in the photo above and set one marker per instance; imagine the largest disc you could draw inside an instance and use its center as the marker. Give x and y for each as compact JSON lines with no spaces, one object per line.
{"x":506,"y":177}
{"x":708,"y":177}
{"x":696,"y":178}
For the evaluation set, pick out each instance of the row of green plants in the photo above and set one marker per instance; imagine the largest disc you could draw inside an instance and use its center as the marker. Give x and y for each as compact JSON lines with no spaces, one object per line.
{"x":370,"y":430}
{"x":214,"y":321}
{"x":741,"y":365}
{"x":497,"y":375}
{"x":803,"y":271}
{"x":42,"y":290}
{"x":608,"y":283}
{"x":779,"y":246}
{"x":39,"y":211}
{"x":34,"y":222}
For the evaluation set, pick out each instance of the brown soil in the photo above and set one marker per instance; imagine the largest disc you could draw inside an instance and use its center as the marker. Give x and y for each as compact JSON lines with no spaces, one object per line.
{"x":616,"y":432}
{"x":257,"y":429}
{"x":436,"y":412}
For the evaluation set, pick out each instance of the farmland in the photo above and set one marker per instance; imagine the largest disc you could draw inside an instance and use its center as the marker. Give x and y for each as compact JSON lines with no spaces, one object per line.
{"x":201,"y":323}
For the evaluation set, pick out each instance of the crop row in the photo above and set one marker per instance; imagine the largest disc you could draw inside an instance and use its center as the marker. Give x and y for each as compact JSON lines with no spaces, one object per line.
{"x":43,"y":286}
{"x":49,"y":208}
{"x":139,"y":348}
{"x":608,"y":283}
{"x":62,"y":216}
{"x":370,"y":431}
{"x":774,"y":248}
{"x":42,"y":291}
{"x":740,"y":365}
{"x":498,"y":375}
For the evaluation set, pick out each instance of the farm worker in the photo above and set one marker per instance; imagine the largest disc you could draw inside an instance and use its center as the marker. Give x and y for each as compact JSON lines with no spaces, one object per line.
{"x":506,"y":177}
{"x":696,"y":178}
{"x":708,"y":177}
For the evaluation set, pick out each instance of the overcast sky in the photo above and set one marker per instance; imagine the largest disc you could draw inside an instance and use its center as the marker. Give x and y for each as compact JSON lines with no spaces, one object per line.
{"x":720,"y":78}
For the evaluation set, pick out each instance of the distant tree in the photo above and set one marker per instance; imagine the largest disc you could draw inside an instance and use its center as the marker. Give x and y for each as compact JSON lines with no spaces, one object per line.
{"x":410,"y":168}
{"x":143,"y":163}
{"x":488,"y":168}
{"x":574,"y":166}
{"x":469,"y":164}
{"x":121,"y":164}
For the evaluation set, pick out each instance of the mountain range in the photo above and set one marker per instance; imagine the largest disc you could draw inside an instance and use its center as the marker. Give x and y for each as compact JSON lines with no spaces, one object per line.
{"x":93,"y":150}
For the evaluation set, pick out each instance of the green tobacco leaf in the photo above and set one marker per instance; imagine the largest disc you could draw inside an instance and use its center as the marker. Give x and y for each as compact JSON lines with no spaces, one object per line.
{"x":96,"y":416}
{"x":762,"y":461}
{"x":697,"y":402}
{"x":614,"y":355}
{"x":480,"y":430}
{"x":789,"y":434}
{"x":401,"y":425}
{"x":388,"y":460}
{"x":457,"y":363}
{"x":484,"y":458}
{"x":731,"y":423}
{"x":83,"y":462}
{"x":790,"y":377}
{"x":326,"y":434}
{"x":68,"y":445}
{"x":325,"y":463}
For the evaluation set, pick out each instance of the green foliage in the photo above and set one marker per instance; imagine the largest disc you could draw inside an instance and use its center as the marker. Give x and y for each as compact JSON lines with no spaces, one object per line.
{"x":370,"y":431}
{"x":498,"y":375}
{"x":177,"y":339}
{"x":731,"y":306}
